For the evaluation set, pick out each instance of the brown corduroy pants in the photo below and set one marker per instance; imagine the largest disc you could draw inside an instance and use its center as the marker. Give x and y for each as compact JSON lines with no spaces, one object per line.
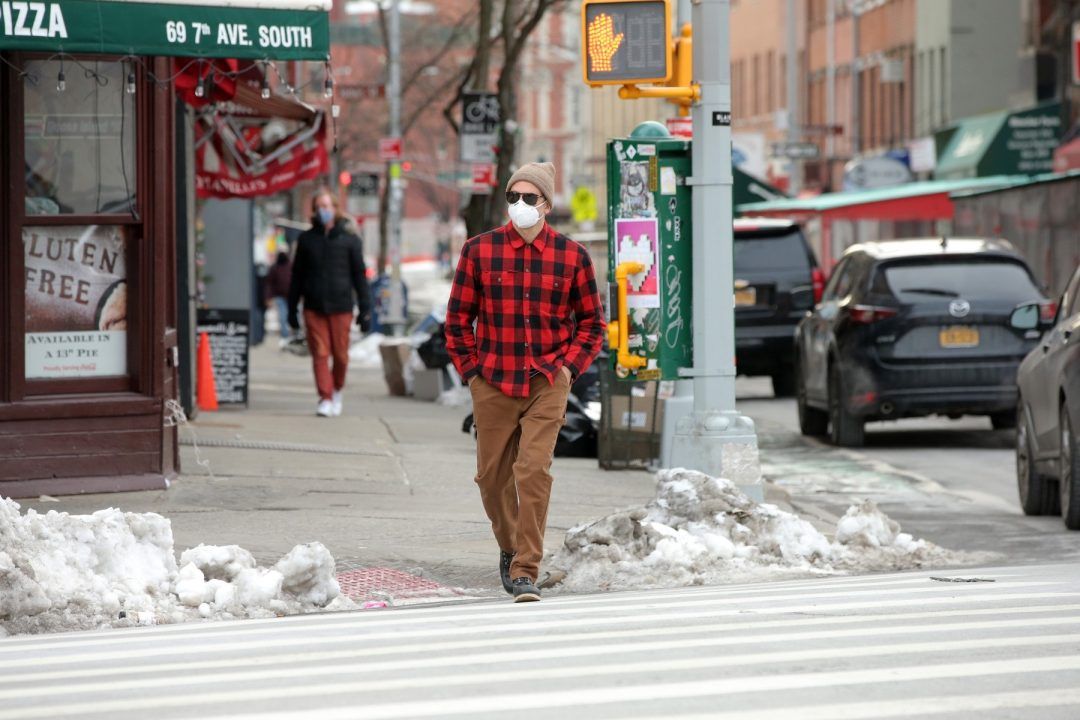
{"x":515,"y":443}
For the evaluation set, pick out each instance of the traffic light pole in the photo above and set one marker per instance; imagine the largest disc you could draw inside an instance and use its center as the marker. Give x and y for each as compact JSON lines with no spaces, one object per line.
{"x":716,"y":439}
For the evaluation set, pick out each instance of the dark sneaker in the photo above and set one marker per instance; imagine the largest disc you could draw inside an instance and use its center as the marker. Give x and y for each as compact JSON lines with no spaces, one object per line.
{"x":505,"y":558}
{"x":525,"y":590}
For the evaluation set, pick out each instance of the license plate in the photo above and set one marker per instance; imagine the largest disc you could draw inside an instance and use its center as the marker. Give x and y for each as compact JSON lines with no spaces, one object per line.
{"x":959,"y":337}
{"x":745,"y":297}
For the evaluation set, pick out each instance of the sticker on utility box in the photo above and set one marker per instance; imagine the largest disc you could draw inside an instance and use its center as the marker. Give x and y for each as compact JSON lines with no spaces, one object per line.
{"x":638,"y":240}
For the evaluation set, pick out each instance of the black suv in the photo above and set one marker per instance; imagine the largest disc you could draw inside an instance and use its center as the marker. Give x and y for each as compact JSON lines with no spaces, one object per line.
{"x":910,"y":328}
{"x":777,"y":280}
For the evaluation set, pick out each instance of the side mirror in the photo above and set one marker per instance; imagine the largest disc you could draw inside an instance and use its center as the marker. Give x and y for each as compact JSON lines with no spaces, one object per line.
{"x":1026,"y":317}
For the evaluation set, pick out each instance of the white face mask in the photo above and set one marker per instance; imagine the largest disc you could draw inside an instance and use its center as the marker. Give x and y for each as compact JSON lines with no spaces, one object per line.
{"x":523,"y":216}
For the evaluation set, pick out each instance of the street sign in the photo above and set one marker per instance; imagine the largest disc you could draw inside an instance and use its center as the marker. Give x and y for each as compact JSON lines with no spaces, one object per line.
{"x":483,"y":178}
{"x":875,"y":172}
{"x":368,"y":91}
{"x":583,"y":205}
{"x":796,"y":151}
{"x":390,"y":149}
{"x":626,"y":42}
{"x":681,"y":127}
{"x":479,"y":126}
{"x":364,"y":184}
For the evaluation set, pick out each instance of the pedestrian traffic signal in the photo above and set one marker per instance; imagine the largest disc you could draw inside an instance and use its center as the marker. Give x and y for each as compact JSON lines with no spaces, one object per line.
{"x":626,"y":42}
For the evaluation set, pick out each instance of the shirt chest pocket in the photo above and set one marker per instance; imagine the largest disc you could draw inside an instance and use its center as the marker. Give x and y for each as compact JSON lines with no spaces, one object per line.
{"x":554,"y":293}
{"x":500,"y":288}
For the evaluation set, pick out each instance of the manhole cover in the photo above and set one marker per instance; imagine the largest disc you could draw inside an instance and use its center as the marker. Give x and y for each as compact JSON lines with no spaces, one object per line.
{"x":369,"y":582}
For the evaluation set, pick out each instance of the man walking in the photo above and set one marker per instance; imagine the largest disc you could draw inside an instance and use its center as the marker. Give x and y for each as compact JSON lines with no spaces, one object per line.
{"x":327,"y":271}
{"x":532,"y":292}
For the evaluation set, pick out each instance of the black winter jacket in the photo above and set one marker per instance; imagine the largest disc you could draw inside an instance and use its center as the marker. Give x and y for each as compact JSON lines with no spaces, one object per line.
{"x":328,"y":270}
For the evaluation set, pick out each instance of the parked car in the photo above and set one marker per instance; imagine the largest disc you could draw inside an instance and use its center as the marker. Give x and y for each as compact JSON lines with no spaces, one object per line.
{"x":777,"y":280}
{"x":1048,"y":411}
{"x":911,"y":328}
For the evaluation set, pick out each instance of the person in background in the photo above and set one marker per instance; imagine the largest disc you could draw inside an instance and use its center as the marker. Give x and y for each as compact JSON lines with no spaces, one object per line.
{"x":278,"y":279}
{"x":329,"y":277}
{"x":539,"y":324}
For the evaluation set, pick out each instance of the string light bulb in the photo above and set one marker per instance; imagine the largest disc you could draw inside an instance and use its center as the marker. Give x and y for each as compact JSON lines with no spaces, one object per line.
{"x":200,"y":88}
{"x":61,"y":81}
{"x":328,"y":86}
{"x":131,"y":82}
{"x":265,"y":82}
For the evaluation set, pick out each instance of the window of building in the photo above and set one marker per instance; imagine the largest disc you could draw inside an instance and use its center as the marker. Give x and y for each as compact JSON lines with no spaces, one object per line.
{"x":74,"y":134}
{"x":79,"y":141}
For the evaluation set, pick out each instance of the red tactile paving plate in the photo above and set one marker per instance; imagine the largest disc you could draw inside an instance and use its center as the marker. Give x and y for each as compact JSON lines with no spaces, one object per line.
{"x":367,"y":582}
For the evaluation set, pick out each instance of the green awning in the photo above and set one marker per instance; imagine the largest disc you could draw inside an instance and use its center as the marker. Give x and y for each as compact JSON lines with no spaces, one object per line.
{"x":248,"y":29}
{"x":748,"y":189}
{"x":1002,"y":143}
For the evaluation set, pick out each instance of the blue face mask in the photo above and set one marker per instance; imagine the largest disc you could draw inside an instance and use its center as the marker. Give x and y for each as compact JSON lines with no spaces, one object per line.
{"x":326,"y":216}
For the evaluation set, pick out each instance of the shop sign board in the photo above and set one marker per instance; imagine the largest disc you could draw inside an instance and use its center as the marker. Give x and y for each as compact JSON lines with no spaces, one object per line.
{"x":875,"y":172}
{"x":228,"y":332}
{"x":76,"y":301}
{"x":227,"y":30}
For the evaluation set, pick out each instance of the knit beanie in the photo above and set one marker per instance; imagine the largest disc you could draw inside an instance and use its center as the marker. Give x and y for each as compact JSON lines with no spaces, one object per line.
{"x":542,"y":175}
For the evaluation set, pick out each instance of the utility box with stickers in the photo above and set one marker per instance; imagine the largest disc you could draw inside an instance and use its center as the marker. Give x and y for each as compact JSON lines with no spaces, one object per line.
{"x":650,"y":328}
{"x":650,"y":244}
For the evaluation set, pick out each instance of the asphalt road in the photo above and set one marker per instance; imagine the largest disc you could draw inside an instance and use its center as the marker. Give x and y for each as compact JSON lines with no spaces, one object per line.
{"x":950,"y":481}
{"x":965,"y":645}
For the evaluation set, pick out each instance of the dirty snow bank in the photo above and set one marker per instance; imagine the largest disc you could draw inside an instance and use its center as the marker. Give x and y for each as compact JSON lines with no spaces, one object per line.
{"x":702,"y":530}
{"x":114,"y":569}
{"x":365,"y":353}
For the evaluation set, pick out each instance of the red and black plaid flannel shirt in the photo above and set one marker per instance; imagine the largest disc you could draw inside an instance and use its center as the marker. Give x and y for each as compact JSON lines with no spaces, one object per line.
{"x":536,"y":308}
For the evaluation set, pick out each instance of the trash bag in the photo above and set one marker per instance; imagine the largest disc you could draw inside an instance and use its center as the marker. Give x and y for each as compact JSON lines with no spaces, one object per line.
{"x":578,"y":436}
{"x":433,"y":350}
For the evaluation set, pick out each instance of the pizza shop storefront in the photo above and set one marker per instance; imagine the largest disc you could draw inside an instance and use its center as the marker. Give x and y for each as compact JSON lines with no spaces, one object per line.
{"x":88,"y":211}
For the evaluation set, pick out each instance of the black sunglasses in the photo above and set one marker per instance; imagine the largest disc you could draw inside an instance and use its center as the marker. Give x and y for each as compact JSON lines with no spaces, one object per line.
{"x":529,"y":198}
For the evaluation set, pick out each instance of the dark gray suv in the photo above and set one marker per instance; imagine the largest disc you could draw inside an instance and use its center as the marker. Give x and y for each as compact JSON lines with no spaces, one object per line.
{"x":910,"y":328}
{"x":777,"y":280}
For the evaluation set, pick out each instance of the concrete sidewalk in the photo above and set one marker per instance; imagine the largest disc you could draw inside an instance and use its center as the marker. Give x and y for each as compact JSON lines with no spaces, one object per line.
{"x":387,"y":484}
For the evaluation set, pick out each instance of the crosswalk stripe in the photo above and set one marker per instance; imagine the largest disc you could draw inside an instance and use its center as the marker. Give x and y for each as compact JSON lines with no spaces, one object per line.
{"x":642,"y":601}
{"x":603,"y":695}
{"x":533,"y":674}
{"x":515,"y":611}
{"x":910,"y":625}
{"x":541,"y":623}
{"x":911,"y":707}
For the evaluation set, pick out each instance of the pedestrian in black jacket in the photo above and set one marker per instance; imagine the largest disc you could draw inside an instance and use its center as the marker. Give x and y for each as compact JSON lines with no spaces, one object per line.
{"x":328,"y":274}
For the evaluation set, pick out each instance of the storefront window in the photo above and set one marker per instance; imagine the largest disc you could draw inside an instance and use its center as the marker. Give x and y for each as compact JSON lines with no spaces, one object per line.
{"x":80,"y":138}
{"x":76,"y":301}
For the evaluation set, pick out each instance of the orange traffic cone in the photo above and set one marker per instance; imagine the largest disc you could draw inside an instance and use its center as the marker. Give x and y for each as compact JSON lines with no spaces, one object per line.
{"x":205,"y":392}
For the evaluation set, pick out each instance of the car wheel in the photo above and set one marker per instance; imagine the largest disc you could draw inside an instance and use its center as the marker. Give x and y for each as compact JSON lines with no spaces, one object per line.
{"x":845,"y":429}
{"x":812,"y":422}
{"x":784,"y":383}
{"x":1036,"y":492}
{"x":1069,"y":474}
{"x":1003,"y":420}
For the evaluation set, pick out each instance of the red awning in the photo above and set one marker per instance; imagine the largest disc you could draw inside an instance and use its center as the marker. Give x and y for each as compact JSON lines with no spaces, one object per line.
{"x":246,"y":145}
{"x":1067,"y":157}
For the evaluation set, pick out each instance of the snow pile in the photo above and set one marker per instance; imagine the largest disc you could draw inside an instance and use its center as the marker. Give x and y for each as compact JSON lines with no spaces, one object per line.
{"x":702,"y":530}
{"x":71,"y":572}
{"x":365,"y":352}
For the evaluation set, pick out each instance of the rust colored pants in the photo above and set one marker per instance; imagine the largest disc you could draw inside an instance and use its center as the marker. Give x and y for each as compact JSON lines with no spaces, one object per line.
{"x":328,"y":335}
{"x":515,"y":443}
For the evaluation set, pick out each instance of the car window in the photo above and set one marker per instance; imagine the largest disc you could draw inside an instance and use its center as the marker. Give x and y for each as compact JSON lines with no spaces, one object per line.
{"x":840,"y":282}
{"x":970,"y":279}
{"x":755,"y":252}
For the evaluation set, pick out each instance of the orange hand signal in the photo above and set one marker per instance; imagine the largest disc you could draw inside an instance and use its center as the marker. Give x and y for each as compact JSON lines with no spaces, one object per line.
{"x":603,"y":43}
